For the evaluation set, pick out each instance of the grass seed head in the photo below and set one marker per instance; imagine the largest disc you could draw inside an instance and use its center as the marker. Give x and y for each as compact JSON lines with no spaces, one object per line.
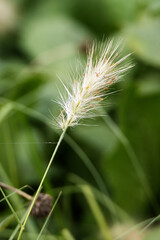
{"x":104,"y":67}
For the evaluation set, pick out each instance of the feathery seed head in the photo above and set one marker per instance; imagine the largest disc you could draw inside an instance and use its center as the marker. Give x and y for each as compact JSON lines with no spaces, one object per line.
{"x":87,"y":92}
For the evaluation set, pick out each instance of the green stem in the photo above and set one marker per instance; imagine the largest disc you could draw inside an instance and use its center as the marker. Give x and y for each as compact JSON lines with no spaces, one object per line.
{"x":103,"y":225}
{"x":10,"y":206}
{"x":41,"y":183}
{"x":45,"y":223}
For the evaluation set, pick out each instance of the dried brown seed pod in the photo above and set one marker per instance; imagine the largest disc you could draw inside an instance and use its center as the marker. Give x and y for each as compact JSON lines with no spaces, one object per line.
{"x":42,"y":206}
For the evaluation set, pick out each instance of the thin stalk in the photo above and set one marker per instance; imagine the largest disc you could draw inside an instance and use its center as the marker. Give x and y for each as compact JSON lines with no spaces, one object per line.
{"x":23,"y":194}
{"x":99,"y":217}
{"x":10,"y":206}
{"x":41,"y":183}
{"x":45,"y":223}
{"x":17,"y":227}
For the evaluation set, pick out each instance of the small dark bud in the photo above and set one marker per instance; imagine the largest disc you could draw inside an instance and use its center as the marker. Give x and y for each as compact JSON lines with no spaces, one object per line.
{"x":42,"y":206}
{"x":84,"y":47}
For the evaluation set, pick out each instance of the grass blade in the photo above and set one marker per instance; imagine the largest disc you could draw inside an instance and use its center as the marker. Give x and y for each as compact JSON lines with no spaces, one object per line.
{"x":47,"y":219}
{"x":10,"y":206}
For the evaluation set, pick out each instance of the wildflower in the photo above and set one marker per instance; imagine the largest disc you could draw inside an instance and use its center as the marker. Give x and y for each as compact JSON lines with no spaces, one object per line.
{"x":86,"y":93}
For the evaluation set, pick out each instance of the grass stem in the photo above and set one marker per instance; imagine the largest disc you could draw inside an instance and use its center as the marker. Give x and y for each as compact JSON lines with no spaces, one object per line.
{"x":23,"y":194}
{"x":10,"y":206}
{"x":41,"y":183}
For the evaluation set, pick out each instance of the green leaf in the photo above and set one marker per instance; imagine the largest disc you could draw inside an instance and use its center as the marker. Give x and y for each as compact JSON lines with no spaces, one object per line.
{"x":44,"y":34}
{"x":143,"y":39}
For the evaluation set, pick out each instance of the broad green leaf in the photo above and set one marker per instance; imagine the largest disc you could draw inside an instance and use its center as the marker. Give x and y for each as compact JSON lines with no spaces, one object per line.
{"x":105,"y":16}
{"x":42,"y":35}
{"x":143,"y":39}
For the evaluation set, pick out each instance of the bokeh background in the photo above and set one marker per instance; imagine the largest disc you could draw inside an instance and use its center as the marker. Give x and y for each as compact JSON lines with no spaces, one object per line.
{"x":109,"y":172}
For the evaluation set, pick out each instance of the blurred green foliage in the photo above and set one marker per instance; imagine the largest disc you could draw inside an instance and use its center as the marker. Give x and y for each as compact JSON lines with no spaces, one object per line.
{"x":116,"y":161}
